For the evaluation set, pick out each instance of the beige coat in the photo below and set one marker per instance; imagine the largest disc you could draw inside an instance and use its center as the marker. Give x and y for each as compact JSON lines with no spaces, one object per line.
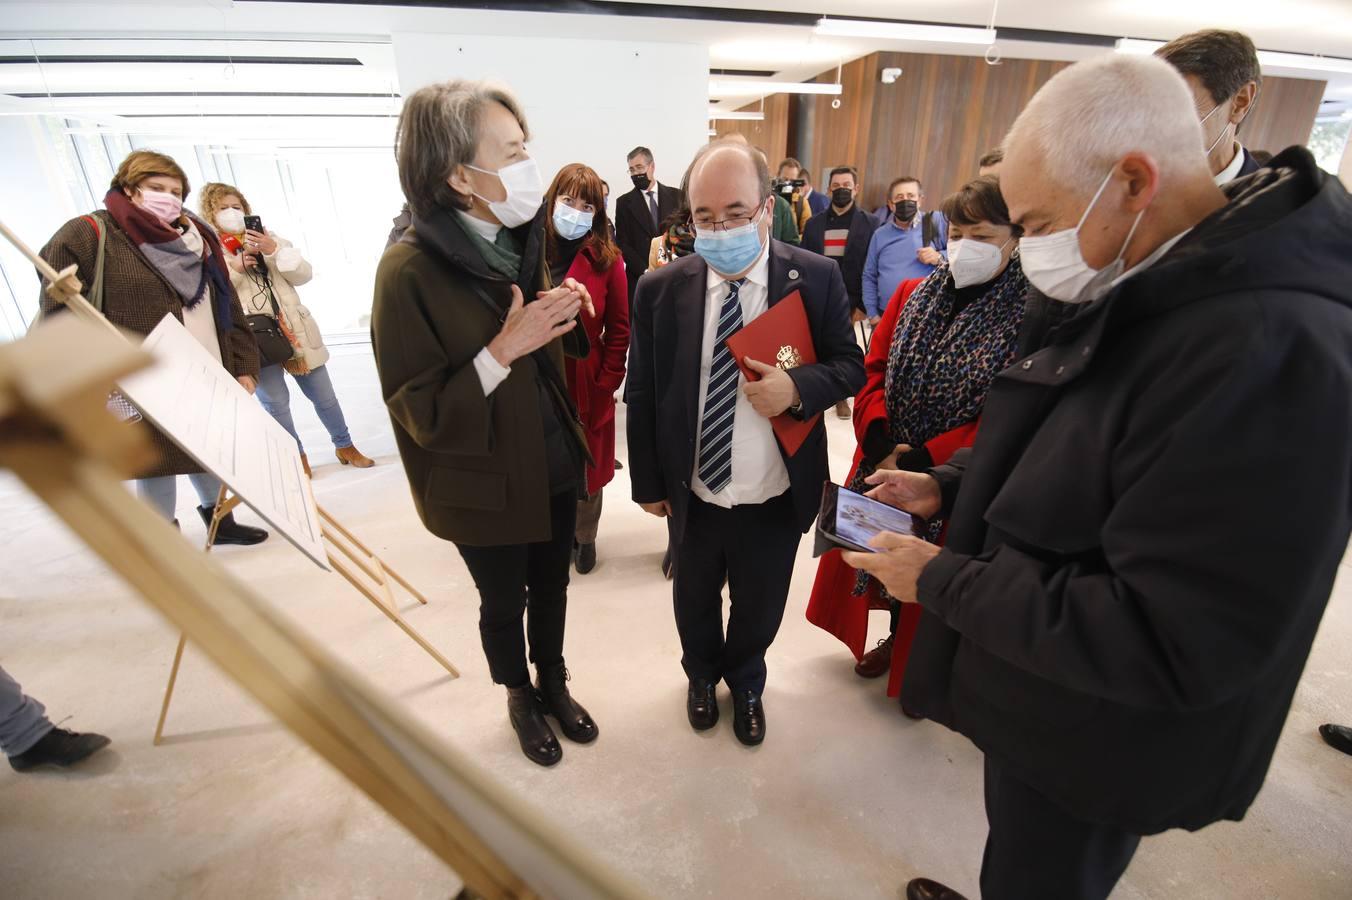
{"x":289,"y":270}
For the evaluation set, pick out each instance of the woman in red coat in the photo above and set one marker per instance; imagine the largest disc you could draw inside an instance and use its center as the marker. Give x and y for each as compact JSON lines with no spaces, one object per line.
{"x":579,"y":245}
{"x":931,"y":361}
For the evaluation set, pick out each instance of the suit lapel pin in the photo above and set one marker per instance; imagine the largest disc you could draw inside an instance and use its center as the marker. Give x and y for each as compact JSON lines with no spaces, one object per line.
{"x":793,"y":273}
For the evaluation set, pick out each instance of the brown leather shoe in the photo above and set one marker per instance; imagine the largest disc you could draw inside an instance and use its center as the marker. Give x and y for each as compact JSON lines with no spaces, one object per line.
{"x":877,"y":661}
{"x":843,"y":410}
{"x":924,"y":889}
{"x":305,"y":464}
{"x":353,"y":457}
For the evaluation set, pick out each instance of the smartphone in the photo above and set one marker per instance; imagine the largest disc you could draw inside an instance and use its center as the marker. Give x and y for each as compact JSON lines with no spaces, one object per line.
{"x":254,"y":223}
{"x":851,"y":520}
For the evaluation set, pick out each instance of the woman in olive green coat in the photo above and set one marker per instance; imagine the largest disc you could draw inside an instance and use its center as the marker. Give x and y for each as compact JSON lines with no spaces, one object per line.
{"x":473,"y":379}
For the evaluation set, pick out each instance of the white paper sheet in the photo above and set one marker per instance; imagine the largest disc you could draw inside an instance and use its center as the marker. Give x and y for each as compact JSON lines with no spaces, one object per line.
{"x":206,"y":412}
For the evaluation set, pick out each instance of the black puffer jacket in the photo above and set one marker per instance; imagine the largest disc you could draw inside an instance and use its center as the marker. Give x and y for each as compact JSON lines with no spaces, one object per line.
{"x":1150,"y":522}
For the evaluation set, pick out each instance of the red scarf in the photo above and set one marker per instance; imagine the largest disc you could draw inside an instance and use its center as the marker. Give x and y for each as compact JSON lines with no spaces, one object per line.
{"x":163,"y":248}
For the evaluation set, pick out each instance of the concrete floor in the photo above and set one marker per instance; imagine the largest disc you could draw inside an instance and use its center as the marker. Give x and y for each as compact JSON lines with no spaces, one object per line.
{"x":845,"y":799}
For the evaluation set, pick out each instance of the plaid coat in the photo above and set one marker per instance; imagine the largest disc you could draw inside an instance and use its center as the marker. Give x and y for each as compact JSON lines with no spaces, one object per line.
{"x":136,"y":297}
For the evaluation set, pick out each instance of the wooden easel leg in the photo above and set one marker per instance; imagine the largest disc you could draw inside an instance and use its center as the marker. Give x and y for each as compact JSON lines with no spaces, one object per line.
{"x":169,"y":688}
{"x":224,"y":505}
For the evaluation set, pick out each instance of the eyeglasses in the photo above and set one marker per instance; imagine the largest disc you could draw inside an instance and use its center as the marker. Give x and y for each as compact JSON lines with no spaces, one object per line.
{"x":727,"y":224}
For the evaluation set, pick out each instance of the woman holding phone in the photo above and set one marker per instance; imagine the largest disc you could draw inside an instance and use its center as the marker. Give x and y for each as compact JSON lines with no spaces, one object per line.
{"x":930,"y":364}
{"x":266,"y":270}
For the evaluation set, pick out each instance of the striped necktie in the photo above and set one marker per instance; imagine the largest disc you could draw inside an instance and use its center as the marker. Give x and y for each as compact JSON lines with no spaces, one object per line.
{"x":720,"y":401}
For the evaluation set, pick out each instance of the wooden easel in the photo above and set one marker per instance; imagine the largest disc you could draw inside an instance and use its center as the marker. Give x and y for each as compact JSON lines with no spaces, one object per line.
{"x":371,"y":577}
{"x":56,"y":434}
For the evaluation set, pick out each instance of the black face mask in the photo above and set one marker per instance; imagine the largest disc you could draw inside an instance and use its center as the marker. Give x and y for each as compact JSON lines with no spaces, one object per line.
{"x":905,"y":210}
{"x":841,"y":197}
{"x":640,"y":180}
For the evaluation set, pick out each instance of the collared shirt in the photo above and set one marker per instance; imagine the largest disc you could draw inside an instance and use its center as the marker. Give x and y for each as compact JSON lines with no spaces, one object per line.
{"x":758,"y":471}
{"x":491,"y":372}
{"x":892,"y":258}
{"x":1231,"y":172}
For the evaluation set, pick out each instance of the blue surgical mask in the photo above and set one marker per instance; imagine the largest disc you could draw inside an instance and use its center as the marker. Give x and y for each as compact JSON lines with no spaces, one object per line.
{"x":732,"y":251}
{"x":570,"y":223}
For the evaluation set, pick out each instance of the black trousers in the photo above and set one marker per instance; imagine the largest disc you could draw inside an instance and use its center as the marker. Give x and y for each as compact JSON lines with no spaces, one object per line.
{"x":751,"y":549}
{"x":1035,"y":850}
{"x":524,"y":579}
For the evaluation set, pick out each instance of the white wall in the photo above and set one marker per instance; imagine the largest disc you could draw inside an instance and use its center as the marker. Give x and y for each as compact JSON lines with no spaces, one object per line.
{"x":585,"y":101}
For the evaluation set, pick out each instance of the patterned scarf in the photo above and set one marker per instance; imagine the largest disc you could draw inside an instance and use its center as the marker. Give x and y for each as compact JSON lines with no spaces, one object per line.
{"x":940,"y":365}
{"x":163,"y":247}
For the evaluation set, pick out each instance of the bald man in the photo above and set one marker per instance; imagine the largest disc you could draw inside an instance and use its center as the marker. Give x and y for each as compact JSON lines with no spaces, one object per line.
{"x":702,"y":450}
{"x":1150,"y":522}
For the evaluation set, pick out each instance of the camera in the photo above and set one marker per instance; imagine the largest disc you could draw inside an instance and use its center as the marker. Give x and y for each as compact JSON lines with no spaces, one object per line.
{"x":787,"y":187}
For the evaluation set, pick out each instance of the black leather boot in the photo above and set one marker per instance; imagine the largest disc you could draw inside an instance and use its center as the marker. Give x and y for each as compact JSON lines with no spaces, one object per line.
{"x":576,"y":723}
{"x":230,"y":531}
{"x":536,"y":737}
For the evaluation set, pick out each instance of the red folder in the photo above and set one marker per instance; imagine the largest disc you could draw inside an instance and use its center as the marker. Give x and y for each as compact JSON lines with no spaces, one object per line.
{"x":779,"y":336}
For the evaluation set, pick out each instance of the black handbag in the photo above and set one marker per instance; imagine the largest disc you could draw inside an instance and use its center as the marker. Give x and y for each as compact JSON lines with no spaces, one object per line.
{"x":274,"y":348}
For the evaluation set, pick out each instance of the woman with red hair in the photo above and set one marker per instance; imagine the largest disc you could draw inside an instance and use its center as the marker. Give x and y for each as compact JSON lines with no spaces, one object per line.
{"x":579,"y":245}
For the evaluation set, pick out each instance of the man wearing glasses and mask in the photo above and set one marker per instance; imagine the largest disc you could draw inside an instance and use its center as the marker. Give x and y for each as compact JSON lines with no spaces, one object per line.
{"x":702,"y":451}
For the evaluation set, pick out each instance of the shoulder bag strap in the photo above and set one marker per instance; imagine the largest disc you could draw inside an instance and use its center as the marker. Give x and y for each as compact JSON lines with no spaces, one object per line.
{"x":95,"y":297}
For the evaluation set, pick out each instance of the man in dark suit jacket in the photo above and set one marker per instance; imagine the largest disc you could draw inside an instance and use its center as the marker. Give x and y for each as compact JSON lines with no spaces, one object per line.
{"x":1223,"y":73}
{"x":701,"y":447}
{"x":640,"y":212}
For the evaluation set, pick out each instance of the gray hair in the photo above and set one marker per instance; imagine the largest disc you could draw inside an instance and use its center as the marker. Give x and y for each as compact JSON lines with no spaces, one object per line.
{"x":757,"y":157}
{"x":1090,"y":115}
{"x":439,"y":130}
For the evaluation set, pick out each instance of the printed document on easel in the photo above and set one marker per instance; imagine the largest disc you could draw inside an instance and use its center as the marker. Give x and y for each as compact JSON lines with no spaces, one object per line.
{"x":200,"y":406}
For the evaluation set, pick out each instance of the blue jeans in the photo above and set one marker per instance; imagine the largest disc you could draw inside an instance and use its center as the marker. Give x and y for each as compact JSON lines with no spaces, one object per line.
{"x":23,"y":721}
{"x":318,"y":387}
{"x":162,"y":493}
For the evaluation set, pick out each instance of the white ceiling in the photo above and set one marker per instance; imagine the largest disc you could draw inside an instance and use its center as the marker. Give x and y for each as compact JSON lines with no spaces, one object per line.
{"x":221,"y":28}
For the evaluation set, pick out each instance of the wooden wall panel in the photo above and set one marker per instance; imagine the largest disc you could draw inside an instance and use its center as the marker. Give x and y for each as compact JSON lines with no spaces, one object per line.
{"x":1284,"y":115}
{"x":840,"y":137}
{"x":770,"y":134}
{"x":941,"y":115}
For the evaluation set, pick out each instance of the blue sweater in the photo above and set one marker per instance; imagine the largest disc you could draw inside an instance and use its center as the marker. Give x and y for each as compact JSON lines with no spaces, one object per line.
{"x":892,"y":260}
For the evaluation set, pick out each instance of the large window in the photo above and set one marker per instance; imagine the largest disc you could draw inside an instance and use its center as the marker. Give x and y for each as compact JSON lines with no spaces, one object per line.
{"x":334,"y":205}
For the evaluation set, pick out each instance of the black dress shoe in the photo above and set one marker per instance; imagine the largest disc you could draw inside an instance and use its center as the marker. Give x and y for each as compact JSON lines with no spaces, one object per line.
{"x":59,"y":747}
{"x":701,"y":704}
{"x":1339,"y":737}
{"x":619,"y":466}
{"x":230,"y":531}
{"x":576,"y":723}
{"x":748,"y":717}
{"x":584,"y":559}
{"x":924,"y":889}
{"x":536,"y":737}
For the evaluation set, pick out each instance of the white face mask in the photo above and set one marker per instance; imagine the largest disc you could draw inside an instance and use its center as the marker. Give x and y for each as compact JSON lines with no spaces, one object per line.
{"x":1055,"y":266}
{"x":521,"y":181}
{"x":974,"y":262}
{"x":1224,"y":131}
{"x":231,"y":220}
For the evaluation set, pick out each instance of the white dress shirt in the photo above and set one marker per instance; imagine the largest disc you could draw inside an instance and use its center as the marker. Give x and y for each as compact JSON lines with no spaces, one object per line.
{"x":1231,"y":172}
{"x":758,"y":471}
{"x":491,"y":372}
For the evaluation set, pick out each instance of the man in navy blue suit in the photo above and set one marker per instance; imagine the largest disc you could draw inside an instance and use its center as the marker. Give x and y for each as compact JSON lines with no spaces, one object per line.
{"x":1224,"y":75}
{"x":702,"y":450}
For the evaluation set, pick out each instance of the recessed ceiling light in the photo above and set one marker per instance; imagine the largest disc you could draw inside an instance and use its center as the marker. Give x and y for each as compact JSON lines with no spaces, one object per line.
{"x":751,"y":87}
{"x":906,"y":31}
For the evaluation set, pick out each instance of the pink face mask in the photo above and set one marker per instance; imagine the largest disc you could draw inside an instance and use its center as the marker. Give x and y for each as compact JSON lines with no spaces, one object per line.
{"x":162,"y":205}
